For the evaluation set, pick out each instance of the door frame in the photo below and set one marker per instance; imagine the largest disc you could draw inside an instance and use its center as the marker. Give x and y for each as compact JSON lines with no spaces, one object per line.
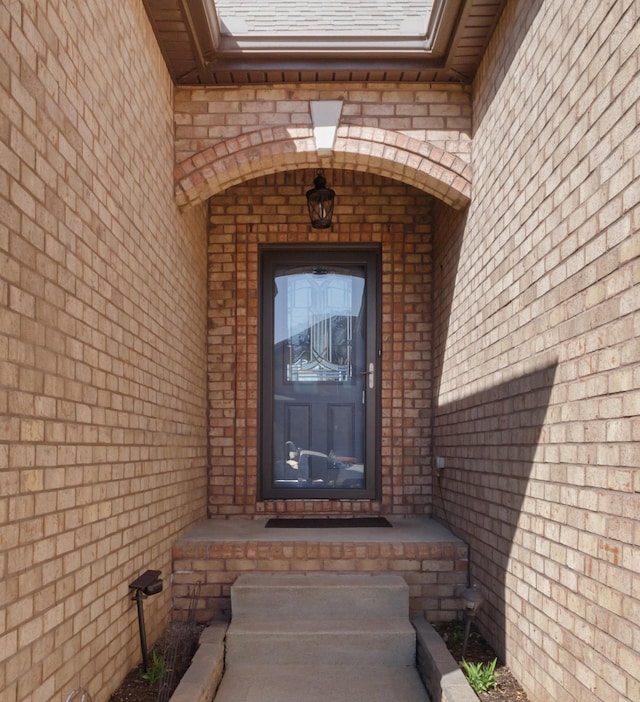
{"x":370,"y":257}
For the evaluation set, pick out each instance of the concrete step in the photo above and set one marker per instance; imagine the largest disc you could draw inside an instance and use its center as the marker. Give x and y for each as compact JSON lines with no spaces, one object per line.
{"x":348,"y":642}
{"x":318,"y":595}
{"x":320,"y":619}
{"x":320,"y":683}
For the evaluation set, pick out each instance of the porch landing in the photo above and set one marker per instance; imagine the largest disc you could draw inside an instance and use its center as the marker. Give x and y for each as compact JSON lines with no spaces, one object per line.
{"x":215,"y":552}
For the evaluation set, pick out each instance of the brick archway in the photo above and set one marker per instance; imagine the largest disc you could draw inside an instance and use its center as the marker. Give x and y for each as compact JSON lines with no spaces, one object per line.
{"x":272,"y":150}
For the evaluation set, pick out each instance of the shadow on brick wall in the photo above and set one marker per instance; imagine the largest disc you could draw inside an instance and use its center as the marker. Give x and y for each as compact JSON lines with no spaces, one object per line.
{"x":489,"y":442}
{"x":449,"y":227}
{"x":515,"y":23}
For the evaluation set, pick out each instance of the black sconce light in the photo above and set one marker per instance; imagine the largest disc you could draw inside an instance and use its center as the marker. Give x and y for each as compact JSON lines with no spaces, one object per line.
{"x":320,"y":200}
{"x":472,"y":600}
{"x":149,"y":583}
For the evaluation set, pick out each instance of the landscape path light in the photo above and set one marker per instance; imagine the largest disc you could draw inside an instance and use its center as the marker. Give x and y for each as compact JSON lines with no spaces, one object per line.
{"x":149,"y":583}
{"x":472,"y":600}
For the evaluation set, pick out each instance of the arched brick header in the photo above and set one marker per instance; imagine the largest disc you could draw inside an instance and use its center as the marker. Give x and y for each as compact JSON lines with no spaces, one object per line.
{"x":277,"y":149}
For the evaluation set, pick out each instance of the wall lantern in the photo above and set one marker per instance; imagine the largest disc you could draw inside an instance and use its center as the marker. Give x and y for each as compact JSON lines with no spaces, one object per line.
{"x":149,"y":583}
{"x":472,"y":600}
{"x":320,"y":200}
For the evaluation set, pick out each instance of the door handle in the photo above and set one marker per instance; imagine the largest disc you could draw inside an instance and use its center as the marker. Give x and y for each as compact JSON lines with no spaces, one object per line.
{"x":371,"y":375}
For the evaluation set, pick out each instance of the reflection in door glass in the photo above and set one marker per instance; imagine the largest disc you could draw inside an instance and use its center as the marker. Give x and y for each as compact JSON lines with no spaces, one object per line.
{"x":321,"y":312}
{"x":319,"y":360}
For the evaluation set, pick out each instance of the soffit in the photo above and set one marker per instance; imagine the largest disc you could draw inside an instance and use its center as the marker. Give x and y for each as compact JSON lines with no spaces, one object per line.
{"x":238,"y":42}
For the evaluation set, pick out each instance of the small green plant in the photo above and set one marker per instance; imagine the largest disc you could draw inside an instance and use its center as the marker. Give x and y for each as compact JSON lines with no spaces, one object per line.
{"x":156,"y":671}
{"x":455,"y":637}
{"x":481,"y":676}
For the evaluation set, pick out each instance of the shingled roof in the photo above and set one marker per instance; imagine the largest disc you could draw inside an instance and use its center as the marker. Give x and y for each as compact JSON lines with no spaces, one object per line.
{"x":335,"y":17}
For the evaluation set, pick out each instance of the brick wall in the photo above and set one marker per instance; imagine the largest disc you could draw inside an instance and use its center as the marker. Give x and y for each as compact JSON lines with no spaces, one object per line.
{"x":103,"y":312}
{"x":435,"y":571}
{"x":102,"y":344}
{"x":438,"y":114}
{"x":273,"y":210}
{"x":418,"y":135}
{"x":537,"y":359}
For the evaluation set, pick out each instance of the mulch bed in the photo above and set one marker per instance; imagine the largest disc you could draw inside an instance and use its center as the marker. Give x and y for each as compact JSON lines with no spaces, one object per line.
{"x":508,"y":689}
{"x":176,"y":645}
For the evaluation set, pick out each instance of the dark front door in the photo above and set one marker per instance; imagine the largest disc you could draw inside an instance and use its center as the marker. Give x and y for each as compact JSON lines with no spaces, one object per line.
{"x":319,"y":372}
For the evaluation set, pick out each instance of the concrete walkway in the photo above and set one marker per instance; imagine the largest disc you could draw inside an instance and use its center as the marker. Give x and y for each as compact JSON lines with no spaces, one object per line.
{"x":297,"y":683}
{"x":410,"y":530}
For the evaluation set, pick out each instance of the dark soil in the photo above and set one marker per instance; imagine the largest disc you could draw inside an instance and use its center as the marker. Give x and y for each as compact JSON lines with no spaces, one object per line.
{"x":507,"y":688}
{"x":176,"y":645}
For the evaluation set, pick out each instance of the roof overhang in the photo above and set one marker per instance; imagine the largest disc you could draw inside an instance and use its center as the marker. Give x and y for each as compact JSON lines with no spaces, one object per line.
{"x":200,"y":48}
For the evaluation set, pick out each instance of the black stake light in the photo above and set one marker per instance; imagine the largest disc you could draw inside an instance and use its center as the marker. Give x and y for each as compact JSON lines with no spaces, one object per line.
{"x":472,"y":600}
{"x":149,"y":583}
{"x":320,"y":201}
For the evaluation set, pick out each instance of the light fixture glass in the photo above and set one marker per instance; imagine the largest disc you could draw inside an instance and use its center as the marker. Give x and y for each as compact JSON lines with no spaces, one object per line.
{"x":320,"y":201}
{"x":472,"y":600}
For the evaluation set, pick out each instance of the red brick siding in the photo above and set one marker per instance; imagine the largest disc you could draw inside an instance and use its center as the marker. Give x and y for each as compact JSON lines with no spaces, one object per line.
{"x":537,"y":353}
{"x":102,"y":344}
{"x":435,"y":572}
{"x":273,"y":209}
{"x":436,"y":114}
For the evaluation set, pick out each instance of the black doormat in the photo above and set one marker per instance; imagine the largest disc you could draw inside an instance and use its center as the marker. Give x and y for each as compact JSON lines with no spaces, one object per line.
{"x":327,"y":523}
